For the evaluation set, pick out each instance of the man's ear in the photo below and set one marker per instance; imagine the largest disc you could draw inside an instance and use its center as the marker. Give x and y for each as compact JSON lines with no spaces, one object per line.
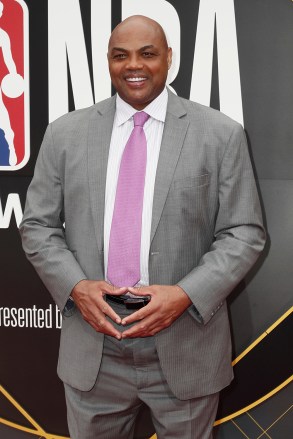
{"x":169,"y":57}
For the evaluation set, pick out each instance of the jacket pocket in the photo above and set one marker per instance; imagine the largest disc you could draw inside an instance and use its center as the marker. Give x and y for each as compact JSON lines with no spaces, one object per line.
{"x":189,"y":182}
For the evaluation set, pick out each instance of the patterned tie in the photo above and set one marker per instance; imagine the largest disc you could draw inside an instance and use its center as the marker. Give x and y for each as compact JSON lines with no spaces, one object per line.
{"x":125,"y":235}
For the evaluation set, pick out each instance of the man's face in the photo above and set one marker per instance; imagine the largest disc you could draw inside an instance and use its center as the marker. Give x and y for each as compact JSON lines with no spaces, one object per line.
{"x":138,"y":62}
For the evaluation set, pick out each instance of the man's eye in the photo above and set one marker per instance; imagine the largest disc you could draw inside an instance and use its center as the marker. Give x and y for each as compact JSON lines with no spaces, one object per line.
{"x":148,"y":54}
{"x":119,"y":56}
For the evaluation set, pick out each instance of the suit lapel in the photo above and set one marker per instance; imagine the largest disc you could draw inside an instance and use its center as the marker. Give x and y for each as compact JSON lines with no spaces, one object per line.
{"x":173,"y":137}
{"x":99,"y":138}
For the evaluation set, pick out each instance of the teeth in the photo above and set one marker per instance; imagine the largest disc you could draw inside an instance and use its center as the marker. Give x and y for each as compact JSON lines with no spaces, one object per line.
{"x":135,"y":79}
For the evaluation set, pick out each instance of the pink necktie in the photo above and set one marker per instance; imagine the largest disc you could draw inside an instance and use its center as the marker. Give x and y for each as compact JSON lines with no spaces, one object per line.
{"x":125,"y":235}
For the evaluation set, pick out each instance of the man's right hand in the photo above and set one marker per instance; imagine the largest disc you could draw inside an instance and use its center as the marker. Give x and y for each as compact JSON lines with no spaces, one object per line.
{"x":88,"y":295}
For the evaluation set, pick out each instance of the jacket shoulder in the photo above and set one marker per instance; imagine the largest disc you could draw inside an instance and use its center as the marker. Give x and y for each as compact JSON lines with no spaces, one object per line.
{"x":79,"y":117}
{"x":209,"y":114}
{"x":205,"y":115}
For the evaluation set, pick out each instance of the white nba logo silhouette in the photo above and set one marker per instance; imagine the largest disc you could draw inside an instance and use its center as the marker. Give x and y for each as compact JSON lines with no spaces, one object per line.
{"x":12,"y":86}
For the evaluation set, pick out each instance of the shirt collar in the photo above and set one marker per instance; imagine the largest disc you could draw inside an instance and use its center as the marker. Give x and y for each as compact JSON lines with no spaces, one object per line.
{"x":156,"y":109}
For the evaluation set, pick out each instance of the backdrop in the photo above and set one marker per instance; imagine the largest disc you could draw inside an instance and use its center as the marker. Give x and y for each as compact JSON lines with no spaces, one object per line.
{"x":235,"y":56}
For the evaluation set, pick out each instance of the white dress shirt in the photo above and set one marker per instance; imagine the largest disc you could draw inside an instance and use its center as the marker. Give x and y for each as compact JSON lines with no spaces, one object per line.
{"x":122,"y":128}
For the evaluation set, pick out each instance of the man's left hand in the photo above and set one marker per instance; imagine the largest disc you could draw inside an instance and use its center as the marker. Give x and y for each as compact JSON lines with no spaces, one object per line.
{"x":167,"y":303}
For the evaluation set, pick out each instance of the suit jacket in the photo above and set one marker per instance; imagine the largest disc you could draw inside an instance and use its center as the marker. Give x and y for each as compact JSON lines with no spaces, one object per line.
{"x":206,"y":234}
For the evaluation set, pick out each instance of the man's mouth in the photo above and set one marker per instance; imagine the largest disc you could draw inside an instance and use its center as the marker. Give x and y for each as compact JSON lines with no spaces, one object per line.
{"x":138,"y":79}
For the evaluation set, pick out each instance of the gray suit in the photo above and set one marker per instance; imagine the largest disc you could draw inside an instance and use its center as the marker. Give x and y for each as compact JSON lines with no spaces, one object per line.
{"x":206,"y":234}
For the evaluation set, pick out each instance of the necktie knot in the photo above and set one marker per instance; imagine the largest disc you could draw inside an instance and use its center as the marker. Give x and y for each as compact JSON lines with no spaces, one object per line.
{"x":140,"y":118}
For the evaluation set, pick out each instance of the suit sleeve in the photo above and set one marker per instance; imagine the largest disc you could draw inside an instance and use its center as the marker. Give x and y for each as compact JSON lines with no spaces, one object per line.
{"x":239,"y":233}
{"x":42,"y":228}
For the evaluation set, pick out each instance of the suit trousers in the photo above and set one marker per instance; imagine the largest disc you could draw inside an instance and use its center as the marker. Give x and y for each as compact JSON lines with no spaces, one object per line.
{"x":130,"y":375}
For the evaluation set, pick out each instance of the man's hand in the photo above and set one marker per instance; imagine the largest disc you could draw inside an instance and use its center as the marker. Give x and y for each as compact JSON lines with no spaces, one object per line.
{"x":166,"y":305}
{"x":88,"y":296}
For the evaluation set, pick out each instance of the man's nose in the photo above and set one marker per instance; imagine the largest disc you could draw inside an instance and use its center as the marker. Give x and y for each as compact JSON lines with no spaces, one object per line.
{"x":134,"y":63}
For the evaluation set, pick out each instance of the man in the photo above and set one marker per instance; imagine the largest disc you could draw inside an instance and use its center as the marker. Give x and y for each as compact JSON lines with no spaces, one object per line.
{"x":163,"y":339}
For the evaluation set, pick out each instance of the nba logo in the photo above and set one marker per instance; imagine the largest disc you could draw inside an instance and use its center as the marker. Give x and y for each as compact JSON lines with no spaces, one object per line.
{"x":14,"y":85}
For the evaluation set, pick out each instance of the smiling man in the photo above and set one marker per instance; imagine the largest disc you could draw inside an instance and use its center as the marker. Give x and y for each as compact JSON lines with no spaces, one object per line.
{"x":162,"y":222}
{"x":139,"y":70}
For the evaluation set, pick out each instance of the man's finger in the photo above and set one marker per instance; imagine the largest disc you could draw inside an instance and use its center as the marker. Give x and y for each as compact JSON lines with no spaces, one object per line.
{"x":135,"y":331}
{"x":114,"y":291}
{"x":138,"y":315}
{"x":140,"y":291}
{"x":105,"y":327}
{"x":146,"y":328}
{"x":109,"y":311}
{"x":141,"y":329}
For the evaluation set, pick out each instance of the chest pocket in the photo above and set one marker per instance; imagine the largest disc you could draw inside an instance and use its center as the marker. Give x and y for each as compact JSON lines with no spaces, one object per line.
{"x":191,"y":182}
